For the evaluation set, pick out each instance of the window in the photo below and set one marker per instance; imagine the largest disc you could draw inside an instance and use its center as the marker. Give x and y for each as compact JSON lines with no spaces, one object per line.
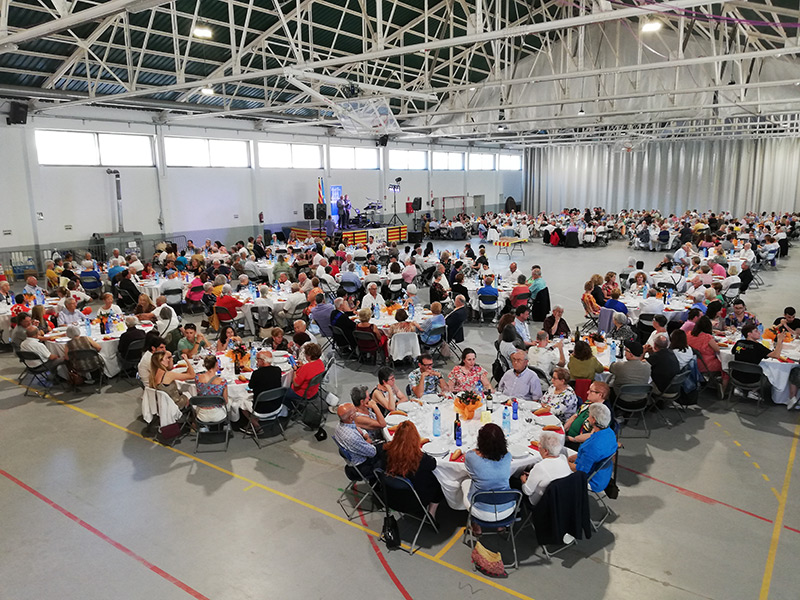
{"x":289,"y":156}
{"x":408,"y":160}
{"x":353,"y":158}
{"x":122,"y":150}
{"x":199,"y":152}
{"x":228,"y":153}
{"x":67,"y":148}
{"x":509,"y":162}
{"x":186,"y":152}
{"x":448,"y":161}
{"x":481,"y":162}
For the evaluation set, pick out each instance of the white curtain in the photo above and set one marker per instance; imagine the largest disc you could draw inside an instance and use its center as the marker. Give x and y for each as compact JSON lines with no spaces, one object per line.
{"x":725,"y":174}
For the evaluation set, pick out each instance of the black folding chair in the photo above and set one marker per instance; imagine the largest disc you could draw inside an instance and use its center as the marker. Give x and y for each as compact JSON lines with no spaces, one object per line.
{"x":88,"y":362}
{"x":634,"y":399}
{"x":400,"y":496}
{"x":214,"y":428}
{"x":742,"y":375}
{"x":267,"y":408}
{"x":497,"y":526}
{"x":368,"y":347}
{"x":37,"y":373}
{"x":356,"y":476}
{"x":130,"y":360}
{"x":435,"y":348}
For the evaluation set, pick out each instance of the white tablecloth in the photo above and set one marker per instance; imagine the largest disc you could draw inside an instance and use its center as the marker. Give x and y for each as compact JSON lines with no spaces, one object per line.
{"x":472,"y":287}
{"x":153,"y":289}
{"x":675,"y":310}
{"x":5,"y":326}
{"x":451,"y":474}
{"x":275,"y":301}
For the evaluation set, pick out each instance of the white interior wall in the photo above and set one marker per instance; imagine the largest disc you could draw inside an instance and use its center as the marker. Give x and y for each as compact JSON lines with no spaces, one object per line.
{"x":196,"y":202}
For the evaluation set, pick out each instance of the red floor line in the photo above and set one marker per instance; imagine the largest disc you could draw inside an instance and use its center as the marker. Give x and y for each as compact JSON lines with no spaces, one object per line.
{"x":703,"y":498}
{"x":385,"y":564}
{"x":158,"y":571}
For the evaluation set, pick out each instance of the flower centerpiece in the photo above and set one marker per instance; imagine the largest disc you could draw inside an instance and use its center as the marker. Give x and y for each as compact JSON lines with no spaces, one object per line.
{"x":597,"y":341}
{"x":466,"y":403}
{"x":241,"y":358}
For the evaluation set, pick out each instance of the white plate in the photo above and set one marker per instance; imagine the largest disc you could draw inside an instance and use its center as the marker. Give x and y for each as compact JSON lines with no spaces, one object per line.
{"x":431,"y":399}
{"x":395,"y":419}
{"x":518,"y":450}
{"x":407,"y":406}
{"x":278,"y":354}
{"x":436,"y":448}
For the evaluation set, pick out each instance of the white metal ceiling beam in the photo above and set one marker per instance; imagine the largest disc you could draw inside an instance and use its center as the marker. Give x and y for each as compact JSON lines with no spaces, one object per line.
{"x":422,"y":47}
{"x":99,"y":11}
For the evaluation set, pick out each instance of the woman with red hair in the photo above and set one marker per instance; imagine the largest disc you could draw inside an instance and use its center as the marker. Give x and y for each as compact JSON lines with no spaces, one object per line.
{"x":404,"y":458}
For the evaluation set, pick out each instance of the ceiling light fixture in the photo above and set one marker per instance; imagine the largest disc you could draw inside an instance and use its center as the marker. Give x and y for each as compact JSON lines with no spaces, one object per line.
{"x":202,"y":30}
{"x":207,"y":90}
{"x":581,"y":112}
{"x":650,"y":26}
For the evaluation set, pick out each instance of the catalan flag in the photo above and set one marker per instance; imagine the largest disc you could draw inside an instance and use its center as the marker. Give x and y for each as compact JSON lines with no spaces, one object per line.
{"x":320,"y":192}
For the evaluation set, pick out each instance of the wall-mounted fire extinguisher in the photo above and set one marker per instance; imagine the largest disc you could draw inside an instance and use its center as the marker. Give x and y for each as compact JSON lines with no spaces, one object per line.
{"x":261,"y":217}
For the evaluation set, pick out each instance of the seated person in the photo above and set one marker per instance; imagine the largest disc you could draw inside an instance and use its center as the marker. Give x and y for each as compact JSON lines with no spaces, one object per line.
{"x":364,"y":325}
{"x":402,"y":325}
{"x":590,"y":305}
{"x":614,"y":302}
{"x":267,"y":376}
{"x":664,"y":364}
{"x":301,"y":385}
{"x":468,"y":375}
{"x":739,"y":316}
{"x":560,"y":398}
{"x":633,"y":370}
{"x":131,"y":334}
{"x":489,"y":469}
{"x":108,"y":308}
{"x":543,"y":358}
{"x":32,"y":343}
{"x":369,"y":416}
{"x":788,"y":322}
{"x":583,"y":364}
{"x":554,"y":324}
{"x":363,"y":453}
{"x":621,"y":332}
{"x":145,"y":309}
{"x":372,"y":298}
{"x":435,"y":321}
{"x":577,"y":428}
{"x":404,"y":458}
{"x":750,"y":350}
{"x":90,"y":364}
{"x":211,"y":384}
{"x":386,"y":394}
{"x":192,"y":341}
{"x":554,"y":465}
{"x":659,"y":326}
{"x":70,"y":315}
{"x":601,"y":444}
{"x":340,"y":319}
{"x":520,"y":382}
{"x":425,"y":379}
{"x":651,"y":305}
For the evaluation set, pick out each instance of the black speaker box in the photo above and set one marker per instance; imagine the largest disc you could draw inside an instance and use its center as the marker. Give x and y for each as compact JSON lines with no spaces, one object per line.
{"x":417,"y":203}
{"x":383,"y":140}
{"x":322,"y":211}
{"x":17,"y":114}
{"x":414,"y":237}
{"x":308,"y":212}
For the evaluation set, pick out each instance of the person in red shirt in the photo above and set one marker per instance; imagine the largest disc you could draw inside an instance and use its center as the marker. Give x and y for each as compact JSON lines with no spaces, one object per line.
{"x":520,"y":288}
{"x":227,"y":301}
{"x":303,"y":376}
{"x":19,"y":305}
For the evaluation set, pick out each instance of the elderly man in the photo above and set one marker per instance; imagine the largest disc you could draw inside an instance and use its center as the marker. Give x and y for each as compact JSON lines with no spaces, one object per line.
{"x":681,"y":256}
{"x":663,"y":362}
{"x":425,"y":379}
{"x":546,"y":359}
{"x":372,"y":297}
{"x":304,"y":282}
{"x":283,"y":282}
{"x":554,"y":465}
{"x":321,"y":313}
{"x":131,"y":334}
{"x":33,"y":344}
{"x":32,"y":287}
{"x":512,"y":273}
{"x":520,"y":382}
{"x":70,"y":315}
{"x":320,"y":272}
{"x":6,"y":297}
{"x":295,"y":299}
{"x":340,"y":318}
{"x":266,"y":377}
{"x":652,"y":305}
{"x":116,"y":268}
{"x":357,"y":442}
{"x":577,"y":428}
{"x":747,"y":254}
{"x":456,"y":319}
{"x":602,"y":444}
{"x":135,"y":263}
{"x":554,"y":324}
{"x":243,"y":283}
{"x":410,"y":271}
{"x":90,"y":278}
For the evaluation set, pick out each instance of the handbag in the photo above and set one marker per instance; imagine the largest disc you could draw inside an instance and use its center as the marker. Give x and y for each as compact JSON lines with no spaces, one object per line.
{"x":390,"y":534}
{"x":487,"y":562}
{"x":171,"y":431}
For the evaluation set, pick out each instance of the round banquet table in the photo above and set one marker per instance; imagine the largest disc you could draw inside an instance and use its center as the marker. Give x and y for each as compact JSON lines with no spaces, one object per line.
{"x":274,"y":300}
{"x":153,"y":289}
{"x":451,"y":474}
{"x":504,"y":292}
{"x":776,"y":371}
{"x":239,"y":396}
{"x":56,"y":342}
{"x":676,"y":309}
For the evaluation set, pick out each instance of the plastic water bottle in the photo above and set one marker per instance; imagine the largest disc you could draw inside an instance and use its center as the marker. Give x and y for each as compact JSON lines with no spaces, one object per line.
{"x":437,"y":422}
{"x":252,"y":357}
{"x":87,"y":325}
{"x":602,"y":334}
{"x":514,"y":409}
{"x":411,"y":311}
{"x":376,"y":311}
{"x":506,"y":421}
{"x":613,"y":352}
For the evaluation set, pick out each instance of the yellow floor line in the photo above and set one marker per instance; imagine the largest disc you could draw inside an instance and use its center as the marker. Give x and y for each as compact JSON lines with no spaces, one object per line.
{"x":737,"y":443}
{"x":746,"y":453}
{"x":283,"y":495}
{"x":756,"y":465}
{"x":449,"y":544}
{"x":778,"y":525}
{"x":765,"y":477}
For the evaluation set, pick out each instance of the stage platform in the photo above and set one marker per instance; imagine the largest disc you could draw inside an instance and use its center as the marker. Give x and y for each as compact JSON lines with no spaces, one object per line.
{"x":360,"y":236}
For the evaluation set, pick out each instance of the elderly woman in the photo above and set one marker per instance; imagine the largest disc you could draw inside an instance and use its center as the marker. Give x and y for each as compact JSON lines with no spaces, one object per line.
{"x":621,"y":331}
{"x":554,"y":465}
{"x":219,"y":282}
{"x":404,"y":458}
{"x":364,"y":316}
{"x":164,"y":379}
{"x":277,"y":341}
{"x":468,"y":375}
{"x":244,"y":283}
{"x":304,"y":374}
{"x":145,"y":309}
{"x":560,"y":398}
{"x":108,"y":308}
{"x":369,"y":416}
{"x":554,"y":324}
{"x":435,"y":321}
{"x":402,"y":325}
{"x":91,"y":365}
{"x":489,"y":469}
{"x":639,"y":283}
{"x":211,"y":384}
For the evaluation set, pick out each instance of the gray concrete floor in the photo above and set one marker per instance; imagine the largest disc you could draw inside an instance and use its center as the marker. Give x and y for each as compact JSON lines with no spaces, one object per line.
{"x":92,"y":508}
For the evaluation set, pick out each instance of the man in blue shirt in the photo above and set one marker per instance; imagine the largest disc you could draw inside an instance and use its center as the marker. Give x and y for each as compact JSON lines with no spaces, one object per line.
{"x":614,"y":302}
{"x":116,"y":269}
{"x":356,"y":441}
{"x":601,"y":444}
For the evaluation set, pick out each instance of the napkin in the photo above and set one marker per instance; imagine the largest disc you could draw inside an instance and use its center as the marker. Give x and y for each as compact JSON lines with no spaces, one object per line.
{"x":240,"y":382}
{"x":460,"y":459}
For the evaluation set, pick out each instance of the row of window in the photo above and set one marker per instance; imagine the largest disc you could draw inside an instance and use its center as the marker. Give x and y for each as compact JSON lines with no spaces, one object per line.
{"x":128,"y":150}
